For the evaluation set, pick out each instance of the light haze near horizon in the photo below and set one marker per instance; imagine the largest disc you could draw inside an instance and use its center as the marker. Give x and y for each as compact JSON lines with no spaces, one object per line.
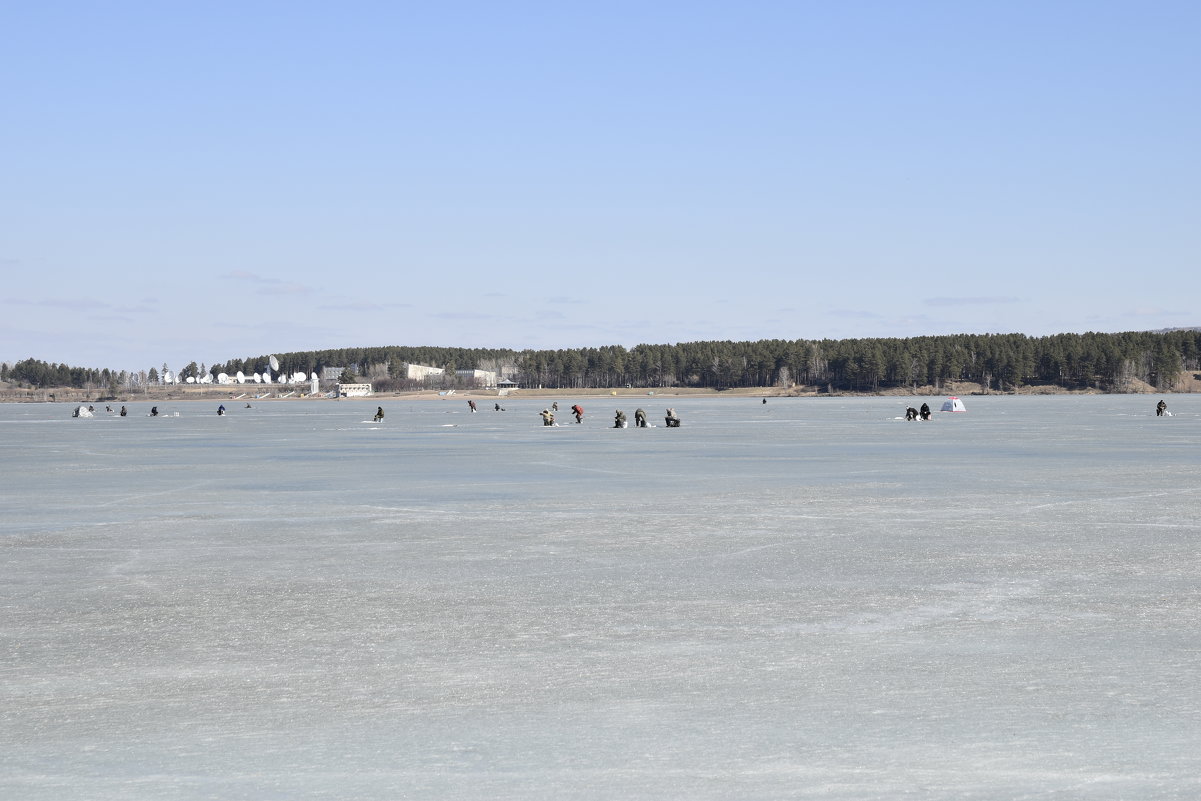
{"x":215,"y":182}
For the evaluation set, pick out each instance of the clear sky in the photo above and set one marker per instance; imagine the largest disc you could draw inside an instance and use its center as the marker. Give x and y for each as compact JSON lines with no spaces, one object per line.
{"x":204,"y":181}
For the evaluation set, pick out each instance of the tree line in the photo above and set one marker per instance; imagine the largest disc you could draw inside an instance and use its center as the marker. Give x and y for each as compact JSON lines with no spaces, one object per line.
{"x":998,"y":362}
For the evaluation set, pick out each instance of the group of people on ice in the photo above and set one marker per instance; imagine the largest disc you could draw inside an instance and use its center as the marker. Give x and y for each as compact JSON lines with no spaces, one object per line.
{"x":619,"y":419}
{"x":913,"y":414}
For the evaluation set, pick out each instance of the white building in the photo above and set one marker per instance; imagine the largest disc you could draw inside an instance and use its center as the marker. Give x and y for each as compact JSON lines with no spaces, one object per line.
{"x":477,"y":378}
{"x":420,"y":372}
{"x":354,"y":390}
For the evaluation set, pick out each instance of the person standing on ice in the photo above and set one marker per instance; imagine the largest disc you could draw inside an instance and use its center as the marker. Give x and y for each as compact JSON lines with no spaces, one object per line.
{"x":578,"y":411}
{"x":639,"y":418}
{"x":548,"y":417}
{"x":471,"y":405}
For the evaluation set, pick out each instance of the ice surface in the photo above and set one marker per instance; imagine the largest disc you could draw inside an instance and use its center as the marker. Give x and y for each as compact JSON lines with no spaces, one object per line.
{"x":808,"y":598}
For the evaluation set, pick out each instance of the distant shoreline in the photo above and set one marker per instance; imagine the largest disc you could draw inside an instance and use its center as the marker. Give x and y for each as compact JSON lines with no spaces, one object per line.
{"x":244,"y":393}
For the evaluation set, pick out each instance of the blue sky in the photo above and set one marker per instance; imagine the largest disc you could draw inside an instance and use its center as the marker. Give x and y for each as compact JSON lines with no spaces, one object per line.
{"x":205,"y":181}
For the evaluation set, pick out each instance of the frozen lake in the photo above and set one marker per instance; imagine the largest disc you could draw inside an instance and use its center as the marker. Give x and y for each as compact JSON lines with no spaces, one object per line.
{"x":808,"y":598}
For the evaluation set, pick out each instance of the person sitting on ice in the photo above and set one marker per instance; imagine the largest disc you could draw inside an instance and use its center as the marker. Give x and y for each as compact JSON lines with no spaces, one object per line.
{"x":672,"y":420}
{"x":1160,"y":408}
{"x":619,"y":420}
{"x":911,"y":413}
{"x":221,"y":410}
{"x":925,"y":413}
{"x":379,"y":414}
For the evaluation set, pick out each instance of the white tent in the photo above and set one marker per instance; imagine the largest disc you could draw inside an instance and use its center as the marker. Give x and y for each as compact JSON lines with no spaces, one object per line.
{"x":953,"y":404}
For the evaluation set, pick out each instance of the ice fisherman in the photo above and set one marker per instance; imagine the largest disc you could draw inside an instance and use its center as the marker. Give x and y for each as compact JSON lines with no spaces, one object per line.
{"x":221,"y":410}
{"x":619,"y":421}
{"x":925,"y":413}
{"x":471,"y":406}
{"x":123,"y":412}
{"x":379,"y":414}
{"x":1160,"y":408}
{"x":578,"y":411}
{"x":911,"y":413}
{"x":673,"y":421}
{"x":640,"y":418}
{"x":548,"y":417}
{"x":154,"y":411}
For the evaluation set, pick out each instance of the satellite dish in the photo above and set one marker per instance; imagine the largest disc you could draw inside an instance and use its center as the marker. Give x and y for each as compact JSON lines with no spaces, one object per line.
{"x":299,"y":376}
{"x":191,"y":379}
{"x":222,"y":378}
{"x":274,"y":362}
{"x":240,"y":377}
{"x":206,"y":379}
{"x":167,"y":378}
{"x":258,"y":379}
{"x":313,"y":377}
